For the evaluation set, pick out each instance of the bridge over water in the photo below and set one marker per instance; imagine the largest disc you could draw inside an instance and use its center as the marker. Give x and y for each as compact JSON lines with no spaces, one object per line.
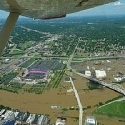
{"x":116,"y":87}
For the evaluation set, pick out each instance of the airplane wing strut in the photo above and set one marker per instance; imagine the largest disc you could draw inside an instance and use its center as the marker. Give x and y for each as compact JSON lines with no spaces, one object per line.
{"x":7,"y":29}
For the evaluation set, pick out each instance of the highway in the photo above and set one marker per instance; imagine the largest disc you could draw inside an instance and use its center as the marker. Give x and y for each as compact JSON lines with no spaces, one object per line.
{"x":78,"y":59}
{"x":78,"y":101}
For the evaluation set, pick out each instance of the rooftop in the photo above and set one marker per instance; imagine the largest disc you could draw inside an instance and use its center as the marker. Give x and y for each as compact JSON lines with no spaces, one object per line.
{"x":61,"y":121}
{"x":6,"y":115}
{"x":90,"y":120}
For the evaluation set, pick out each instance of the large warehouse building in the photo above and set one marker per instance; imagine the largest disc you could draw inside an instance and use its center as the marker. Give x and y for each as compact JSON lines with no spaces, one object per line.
{"x":100,"y":74}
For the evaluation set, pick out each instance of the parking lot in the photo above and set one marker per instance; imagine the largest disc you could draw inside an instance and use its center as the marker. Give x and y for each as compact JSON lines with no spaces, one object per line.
{"x":27,"y":63}
{"x":48,"y":64}
{"x":7,"y":78}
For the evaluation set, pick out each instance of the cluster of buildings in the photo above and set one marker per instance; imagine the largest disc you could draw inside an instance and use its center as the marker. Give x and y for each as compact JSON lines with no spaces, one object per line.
{"x":8,"y":117}
{"x":99,"y":74}
{"x":90,"y":120}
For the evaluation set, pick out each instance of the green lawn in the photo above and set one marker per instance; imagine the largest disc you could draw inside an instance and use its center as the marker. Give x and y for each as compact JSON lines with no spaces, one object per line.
{"x":16,"y":52}
{"x":26,"y":45}
{"x":113,"y":109}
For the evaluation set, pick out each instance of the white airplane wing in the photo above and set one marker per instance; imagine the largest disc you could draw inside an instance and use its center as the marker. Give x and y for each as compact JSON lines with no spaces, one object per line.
{"x":47,"y":9}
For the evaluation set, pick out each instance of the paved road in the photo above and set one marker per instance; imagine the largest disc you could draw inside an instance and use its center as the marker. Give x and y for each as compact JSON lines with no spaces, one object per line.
{"x":75,"y":91}
{"x":64,"y":58}
{"x":78,"y":101}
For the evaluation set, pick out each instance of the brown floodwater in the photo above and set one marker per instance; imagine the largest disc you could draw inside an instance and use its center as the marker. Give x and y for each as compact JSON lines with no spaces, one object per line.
{"x":41,"y":103}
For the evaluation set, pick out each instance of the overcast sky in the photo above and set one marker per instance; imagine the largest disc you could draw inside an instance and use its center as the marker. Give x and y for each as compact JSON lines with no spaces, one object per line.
{"x":114,"y":8}
{"x":108,"y":9}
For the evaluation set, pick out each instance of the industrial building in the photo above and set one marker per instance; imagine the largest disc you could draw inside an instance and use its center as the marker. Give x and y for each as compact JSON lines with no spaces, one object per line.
{"x":88,"y":73}
{"x":100,"y":74}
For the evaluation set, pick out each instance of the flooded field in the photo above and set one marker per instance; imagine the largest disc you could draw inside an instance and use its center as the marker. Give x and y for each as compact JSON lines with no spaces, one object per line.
{"x":62,"y":96}
{"x":92,"y":98}
{"x":41,"y":103}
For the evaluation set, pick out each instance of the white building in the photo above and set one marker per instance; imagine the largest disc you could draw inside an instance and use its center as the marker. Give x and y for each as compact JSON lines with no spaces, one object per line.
{"x":88,"y":73}
{"x":100,"y":74}
{"x":119,"y":79}
{"x":6,"y":61}
{"x":61,"y":121}
{"x":90,"y":120}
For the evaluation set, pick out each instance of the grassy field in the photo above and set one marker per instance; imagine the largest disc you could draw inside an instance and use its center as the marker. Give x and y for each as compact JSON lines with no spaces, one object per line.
{"x":113,"y":109}
{"x":26,"y":45}
{"x":16,"y":52}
